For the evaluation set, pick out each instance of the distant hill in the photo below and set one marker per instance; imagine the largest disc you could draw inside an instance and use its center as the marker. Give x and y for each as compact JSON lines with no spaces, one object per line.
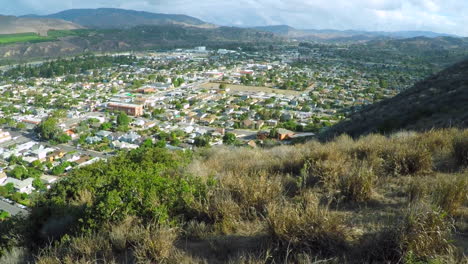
{"x":120,"y":18}
{"x":15,"y":25}
{"x":422,"y":43}
{"x":140,"y":38}
{"x":345,"y":35}
{"x":441,"y":101}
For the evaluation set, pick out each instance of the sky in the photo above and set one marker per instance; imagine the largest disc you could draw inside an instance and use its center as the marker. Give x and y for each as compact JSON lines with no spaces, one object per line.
{"x":443,"y":16}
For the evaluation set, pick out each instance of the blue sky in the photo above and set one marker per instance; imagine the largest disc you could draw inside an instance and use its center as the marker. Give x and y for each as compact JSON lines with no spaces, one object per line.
{"x":445,"y":16}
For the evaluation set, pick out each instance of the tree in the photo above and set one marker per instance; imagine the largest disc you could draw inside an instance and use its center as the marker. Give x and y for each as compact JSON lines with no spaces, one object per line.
{"x":202,"y":141}
{"x":222,"y":86}
{"x":229,"y":138}
{"x":19,"y":172}
{"x":48,"y":129}
{"x":38,"y":184}
{"x":20,"y":126}
{"x":106,"y":126}
{"x":123,"y":121}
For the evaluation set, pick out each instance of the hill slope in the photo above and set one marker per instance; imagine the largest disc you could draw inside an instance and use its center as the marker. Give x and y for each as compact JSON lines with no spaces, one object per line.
{"x":345,"y":35}
{"x":139,"y":38}
{"x":440,"y":101}
{"x":15,"y":25}
{"x":120,"y":18}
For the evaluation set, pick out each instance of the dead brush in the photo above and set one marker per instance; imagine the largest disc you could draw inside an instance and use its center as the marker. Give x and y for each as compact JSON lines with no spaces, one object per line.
{"x":450,"y":192}
{"x":422,"y":233}
{"x":357,"y":185}
{"x":305,"y":226}
{"x":253,"y":191}
{"x":325,"y":165}
{"x":417,"y":189}
{"x":407,"y":159}
{"x":156,"y":244}
{"x":425,"y":232}
{"x":460,"y":149}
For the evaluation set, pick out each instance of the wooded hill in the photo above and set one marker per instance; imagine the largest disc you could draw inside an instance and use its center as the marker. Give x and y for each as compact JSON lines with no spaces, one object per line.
{"x":440,"y":101}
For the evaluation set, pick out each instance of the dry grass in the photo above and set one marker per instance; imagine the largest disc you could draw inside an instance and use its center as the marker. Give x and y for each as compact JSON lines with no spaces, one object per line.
{"x":450,"y":192}
{"x":281,"y":194}
{"x":358,"y":184}
{"x":306,"y":226}
{"x":243,"y":88}
{"x":460,"y":149}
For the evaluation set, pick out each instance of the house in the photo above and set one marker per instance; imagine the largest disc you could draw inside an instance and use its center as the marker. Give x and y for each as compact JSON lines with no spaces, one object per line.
{"x":131,"y":137}
{"x":48,"y":180}
{"x":22,"y":186}
{"x":3,"y":176}
{"x":40,"y":152}
{"x":139,"y":122}
{"x":93,"y":140}
{"x":248,"y":123}
{"x":123,"y":145}
{"x":284,"y":134}
{"x":104,"y":134}
{"x":259,"y":124}
{"x":58,"y":154}
{"x":4,"y":136}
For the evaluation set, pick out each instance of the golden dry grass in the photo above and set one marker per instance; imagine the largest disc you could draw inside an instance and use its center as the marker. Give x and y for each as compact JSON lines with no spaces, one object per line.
{"x":397,"y":199}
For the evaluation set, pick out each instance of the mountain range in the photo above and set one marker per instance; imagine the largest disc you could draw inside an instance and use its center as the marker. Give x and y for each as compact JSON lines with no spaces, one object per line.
{"x":121,"y":18}
{"x":112,"y":18}
{"x":345,"y":35}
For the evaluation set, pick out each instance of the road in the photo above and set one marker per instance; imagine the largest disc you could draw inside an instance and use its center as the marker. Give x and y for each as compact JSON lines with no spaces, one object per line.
{"x":13,"y":210}
{"x":20,"y":137}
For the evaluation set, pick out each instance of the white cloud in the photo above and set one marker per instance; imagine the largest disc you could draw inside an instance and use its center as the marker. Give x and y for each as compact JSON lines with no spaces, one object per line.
{"x":437,"y":15}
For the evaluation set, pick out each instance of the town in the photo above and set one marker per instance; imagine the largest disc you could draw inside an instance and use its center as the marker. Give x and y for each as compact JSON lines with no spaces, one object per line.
{"x":54,"y":119}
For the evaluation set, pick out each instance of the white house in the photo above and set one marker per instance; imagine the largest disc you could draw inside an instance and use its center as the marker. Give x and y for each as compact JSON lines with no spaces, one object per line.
{"x":24,"y":186}
{"x":4,"y":136}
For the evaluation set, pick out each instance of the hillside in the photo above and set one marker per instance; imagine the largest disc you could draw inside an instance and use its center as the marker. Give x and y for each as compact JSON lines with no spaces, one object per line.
{"x":399,"y":199}
{"x":441,"y":101}
{"x":15,"y":25}
{"x":120,"y":18}
{"x":138,"y":38}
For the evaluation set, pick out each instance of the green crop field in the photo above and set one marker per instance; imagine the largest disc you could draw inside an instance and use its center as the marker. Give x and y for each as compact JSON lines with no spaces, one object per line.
{"x":52,"y":35}
{"x":23,"y":37}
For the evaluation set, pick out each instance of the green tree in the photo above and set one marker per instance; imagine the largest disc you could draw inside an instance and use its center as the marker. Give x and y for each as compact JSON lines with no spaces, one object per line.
{"x":48,"y":129}
{"x":229,"y":138}
{"x":202,"y":141}
{"x":38,"y":184}
{"x":123,"y":121}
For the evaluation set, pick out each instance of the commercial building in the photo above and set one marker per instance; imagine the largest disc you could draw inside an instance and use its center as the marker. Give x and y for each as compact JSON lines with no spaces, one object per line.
{"x":129,"y":109}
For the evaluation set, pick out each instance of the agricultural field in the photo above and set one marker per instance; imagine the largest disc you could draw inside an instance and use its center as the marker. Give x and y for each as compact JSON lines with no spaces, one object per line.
{"x":23,"y":37}
{"x":243,"y":88}
{"x":52,"y":35}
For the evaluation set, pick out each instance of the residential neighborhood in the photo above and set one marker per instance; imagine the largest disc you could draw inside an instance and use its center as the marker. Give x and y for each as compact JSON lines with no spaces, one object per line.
{"x":53,"y":121}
